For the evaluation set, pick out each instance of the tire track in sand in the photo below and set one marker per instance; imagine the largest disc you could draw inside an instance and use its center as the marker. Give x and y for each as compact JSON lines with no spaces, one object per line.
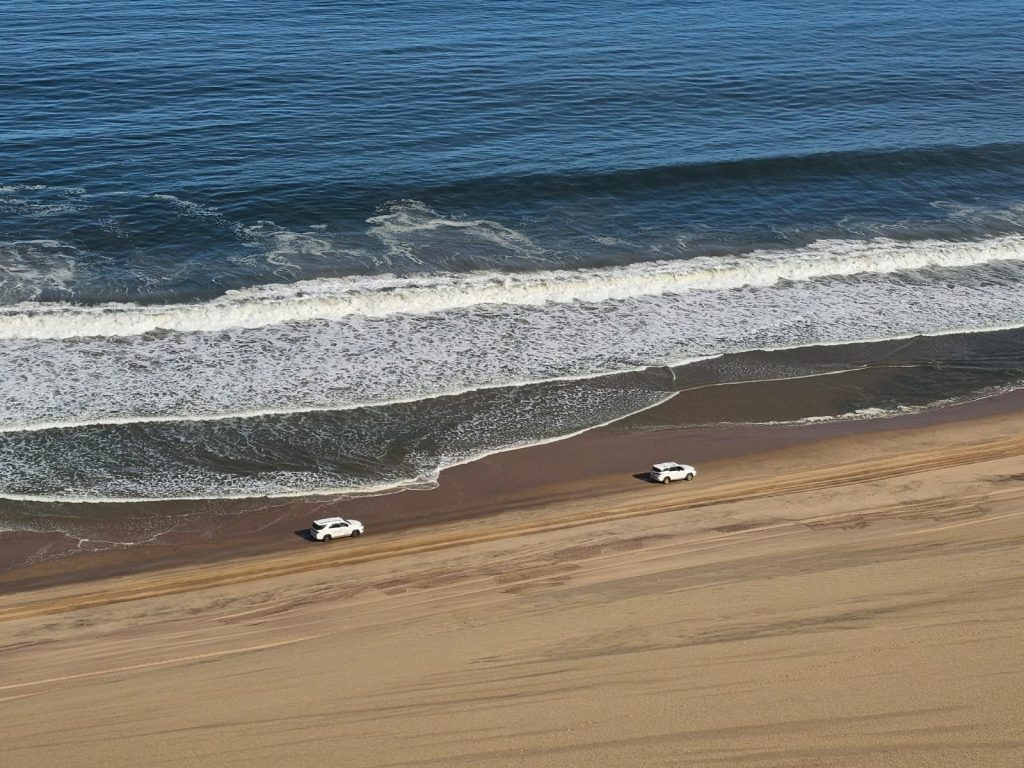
{"x":603,"y":509}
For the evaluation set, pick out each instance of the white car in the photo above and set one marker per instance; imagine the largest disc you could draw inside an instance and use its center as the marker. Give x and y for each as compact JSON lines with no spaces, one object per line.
{"x":668,"y":471}
{"x":335,"y":528}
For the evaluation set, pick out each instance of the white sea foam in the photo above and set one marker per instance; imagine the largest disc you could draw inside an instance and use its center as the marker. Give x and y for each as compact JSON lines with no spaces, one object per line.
{"x":407,"y":225}
{"x":288,"y":252}
{"x":390,"y":340}
{"x":276,"y":245}
{"x":158,"y":465}
{"x":31,"y":268}
{"x":387,"y":295}
{"x":362,"y":360}
{"x":256,"y":492}
{"x":39,"y":201}
{"x":199,"y":416}
{"x":286,"y":248}
{"x":876,"y":413}
{"x":194,"y":210}
{"x":973,"y":215}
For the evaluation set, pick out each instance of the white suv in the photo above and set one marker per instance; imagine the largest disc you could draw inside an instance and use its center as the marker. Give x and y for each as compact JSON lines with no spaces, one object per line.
{"x":668,"y":471}
{"x":335,"y":528}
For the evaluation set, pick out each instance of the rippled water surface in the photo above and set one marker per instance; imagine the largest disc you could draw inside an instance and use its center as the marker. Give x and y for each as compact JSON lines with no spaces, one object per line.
{"x":260,"y":248}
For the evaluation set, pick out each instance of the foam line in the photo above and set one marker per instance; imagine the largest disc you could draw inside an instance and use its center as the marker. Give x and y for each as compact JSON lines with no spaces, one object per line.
{"x":334,"y":299}
{"x":296,"y":411}
{"x":428,"y":480}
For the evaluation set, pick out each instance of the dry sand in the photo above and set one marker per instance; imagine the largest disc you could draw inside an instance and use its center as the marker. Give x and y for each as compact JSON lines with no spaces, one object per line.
{"x":855,"y":601}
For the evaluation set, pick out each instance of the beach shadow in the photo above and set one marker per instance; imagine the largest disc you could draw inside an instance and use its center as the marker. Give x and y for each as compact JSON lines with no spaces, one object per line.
{"x":304,"y":534}
{"x":645,"y":477}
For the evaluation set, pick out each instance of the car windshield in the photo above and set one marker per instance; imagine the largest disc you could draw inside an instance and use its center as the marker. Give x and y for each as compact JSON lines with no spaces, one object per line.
{"x":317,"y":526}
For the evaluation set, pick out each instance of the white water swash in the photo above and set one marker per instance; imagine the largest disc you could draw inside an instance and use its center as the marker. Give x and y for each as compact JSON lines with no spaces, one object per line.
{"x":342,"y":344}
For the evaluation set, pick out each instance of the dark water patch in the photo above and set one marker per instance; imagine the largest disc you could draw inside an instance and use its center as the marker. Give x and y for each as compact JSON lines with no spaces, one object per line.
{"x":349,"y":452}
{"x":877,"y":380}
{"x":878,"y":165}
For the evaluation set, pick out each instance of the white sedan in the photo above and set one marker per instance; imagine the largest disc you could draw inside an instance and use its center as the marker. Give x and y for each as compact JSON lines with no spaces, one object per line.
{"x":335,"y":528}
{"x":668,"y":471}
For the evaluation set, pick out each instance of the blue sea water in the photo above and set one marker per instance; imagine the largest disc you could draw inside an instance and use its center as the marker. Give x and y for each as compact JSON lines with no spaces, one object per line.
{"x":264,"y":248}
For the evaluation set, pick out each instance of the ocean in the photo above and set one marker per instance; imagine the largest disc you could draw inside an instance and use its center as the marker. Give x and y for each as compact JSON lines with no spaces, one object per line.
{"x":300,"y":249}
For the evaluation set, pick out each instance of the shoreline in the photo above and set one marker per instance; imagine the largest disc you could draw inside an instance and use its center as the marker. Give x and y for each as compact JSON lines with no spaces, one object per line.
{"x":844,"y":596}
{"x":593,"y":466}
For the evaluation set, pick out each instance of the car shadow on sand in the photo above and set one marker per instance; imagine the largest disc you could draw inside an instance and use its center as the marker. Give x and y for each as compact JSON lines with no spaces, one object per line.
{"x":646,"y":478}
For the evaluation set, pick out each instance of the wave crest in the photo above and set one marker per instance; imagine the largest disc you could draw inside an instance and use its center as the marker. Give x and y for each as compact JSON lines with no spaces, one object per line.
{"x":333,"y":299}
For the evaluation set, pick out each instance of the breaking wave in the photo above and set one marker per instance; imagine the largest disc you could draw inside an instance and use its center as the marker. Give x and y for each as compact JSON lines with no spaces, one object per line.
{"x":334,"y":299}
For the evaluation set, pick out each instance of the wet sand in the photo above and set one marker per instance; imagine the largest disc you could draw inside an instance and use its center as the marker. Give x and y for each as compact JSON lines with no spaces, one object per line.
{"x":602,"y":462}
{"x":842,"y":595}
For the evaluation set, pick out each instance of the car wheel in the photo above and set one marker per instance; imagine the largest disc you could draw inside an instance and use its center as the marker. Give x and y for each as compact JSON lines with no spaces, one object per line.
{"x":327,"y":537}
{"x":689,"y":477}
{"x":356,"y":533}
{"x":666,"y":480}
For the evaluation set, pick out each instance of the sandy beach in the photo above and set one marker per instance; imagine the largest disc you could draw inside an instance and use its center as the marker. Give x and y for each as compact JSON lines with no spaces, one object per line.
{"x":464,"y":272}
{"x":842,"y":595}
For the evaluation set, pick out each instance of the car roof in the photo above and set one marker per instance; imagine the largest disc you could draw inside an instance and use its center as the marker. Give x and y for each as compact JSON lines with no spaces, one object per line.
{"x":329,"y":520}
{"x":667,"y":465}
